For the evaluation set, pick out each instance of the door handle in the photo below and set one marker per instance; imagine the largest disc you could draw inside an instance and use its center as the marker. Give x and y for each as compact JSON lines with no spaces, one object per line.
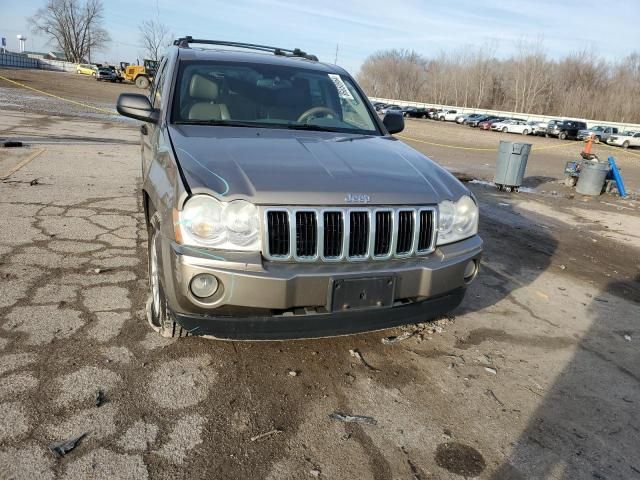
{"x":143,"y":130}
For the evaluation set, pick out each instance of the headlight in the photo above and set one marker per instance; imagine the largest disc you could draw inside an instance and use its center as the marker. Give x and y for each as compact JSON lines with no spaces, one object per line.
{"x":457,"y":221}
{"x":207,"y":222}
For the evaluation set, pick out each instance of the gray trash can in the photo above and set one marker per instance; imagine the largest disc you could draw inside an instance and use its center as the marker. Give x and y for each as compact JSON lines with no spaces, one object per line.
{"x":592,"y":177}
{"x":511,"y":164}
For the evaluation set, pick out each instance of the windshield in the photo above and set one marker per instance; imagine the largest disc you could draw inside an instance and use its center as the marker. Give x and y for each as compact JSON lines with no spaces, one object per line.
{"x":269,"y":96}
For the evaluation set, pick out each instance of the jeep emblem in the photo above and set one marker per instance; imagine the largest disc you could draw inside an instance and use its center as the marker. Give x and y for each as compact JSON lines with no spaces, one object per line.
{"x":357,"y":198}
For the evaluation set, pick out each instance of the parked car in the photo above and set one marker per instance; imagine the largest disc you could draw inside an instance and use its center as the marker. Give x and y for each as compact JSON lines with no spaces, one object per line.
{"x":565,"y":129}
{"x":249,"y":238}
{"x":473,"y":122}
{"x":448,"y":115}
{"x":433,"y":113}
{"x":512,"y":125}
{"x":416,"y":112}
{"x":463,"y":119}
{"x":391,"y":109}
{"x":538,"y":128}
{"x":86,"y":69}
{"x":486,"y":124}
{"x":625,"y":140}
{"x":106,"y":75}
{"x":600,"y":132}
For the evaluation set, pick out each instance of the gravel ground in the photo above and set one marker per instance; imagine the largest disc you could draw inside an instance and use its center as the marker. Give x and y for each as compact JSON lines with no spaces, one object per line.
{"x":536,"y":375}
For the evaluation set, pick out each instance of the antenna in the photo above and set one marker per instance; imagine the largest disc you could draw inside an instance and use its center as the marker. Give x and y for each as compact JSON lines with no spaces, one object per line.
{"x":335,"y":61}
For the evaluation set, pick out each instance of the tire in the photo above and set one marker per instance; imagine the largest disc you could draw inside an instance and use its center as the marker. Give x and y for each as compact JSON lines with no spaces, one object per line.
{"x":546,"y":135}
{"x":525,"y":132}
{"x":625,"y":144}
{"x":597,"y":140}
{"x":442,"y":119}
{"x":505,"y":130}
{"x":562,"y":135}
{"x":159,"y":314}
{"x":93,"y":74}
{"x":507,"y":189}
{"x":142,"y":82}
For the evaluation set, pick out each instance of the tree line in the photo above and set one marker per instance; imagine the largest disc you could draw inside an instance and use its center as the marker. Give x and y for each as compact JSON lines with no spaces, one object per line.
{"x":580,"y":84}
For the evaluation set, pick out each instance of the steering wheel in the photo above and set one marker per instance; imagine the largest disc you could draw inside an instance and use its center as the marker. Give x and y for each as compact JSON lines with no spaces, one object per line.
{"x":314,"y":111}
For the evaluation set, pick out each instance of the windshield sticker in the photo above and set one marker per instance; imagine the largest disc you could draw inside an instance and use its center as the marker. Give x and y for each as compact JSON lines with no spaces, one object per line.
{"x":343,"y":91}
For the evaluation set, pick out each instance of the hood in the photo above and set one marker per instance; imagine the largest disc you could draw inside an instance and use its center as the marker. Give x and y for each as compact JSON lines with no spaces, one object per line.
{"x":289,"y":167}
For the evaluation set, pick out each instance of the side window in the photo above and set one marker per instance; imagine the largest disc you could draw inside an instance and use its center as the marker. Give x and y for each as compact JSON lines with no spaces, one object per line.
{"x":156,"y":94}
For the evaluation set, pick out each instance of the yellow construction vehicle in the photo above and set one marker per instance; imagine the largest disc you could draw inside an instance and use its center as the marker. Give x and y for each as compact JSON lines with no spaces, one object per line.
{"x":141,"y":75}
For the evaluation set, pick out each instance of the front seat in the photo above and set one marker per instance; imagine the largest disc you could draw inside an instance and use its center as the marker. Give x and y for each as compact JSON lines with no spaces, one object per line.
{"x":204,"y":93}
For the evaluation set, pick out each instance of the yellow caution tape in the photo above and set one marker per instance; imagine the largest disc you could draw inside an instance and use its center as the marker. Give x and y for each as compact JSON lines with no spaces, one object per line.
{"x":86,"y":105}
{"x":458,"y":147}
{"x":621,"y":151}
{"x":480,"y":149}
{"x":447,"y":146}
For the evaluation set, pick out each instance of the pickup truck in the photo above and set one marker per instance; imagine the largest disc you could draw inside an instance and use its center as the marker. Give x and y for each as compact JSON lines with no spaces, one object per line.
{"x":448,"y":115}
{"x":564,"y":129}
{"x":625,"y":140}
{"x":600,"y":132}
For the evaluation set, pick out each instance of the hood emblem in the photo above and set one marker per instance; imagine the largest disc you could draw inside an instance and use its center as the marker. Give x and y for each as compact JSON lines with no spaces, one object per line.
{"x":357,"y":198}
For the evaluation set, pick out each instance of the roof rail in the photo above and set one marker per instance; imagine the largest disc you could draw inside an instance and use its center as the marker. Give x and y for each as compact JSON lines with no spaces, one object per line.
{"x":184,"y":42}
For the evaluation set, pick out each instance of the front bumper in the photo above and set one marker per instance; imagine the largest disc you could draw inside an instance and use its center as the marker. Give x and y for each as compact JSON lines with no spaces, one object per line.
{"x":275,"y":300}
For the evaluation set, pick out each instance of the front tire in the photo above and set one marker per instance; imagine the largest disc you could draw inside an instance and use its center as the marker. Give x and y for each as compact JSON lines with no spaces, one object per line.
{"x":525,"y":132}
{"x":159,"y":314}
{"x":562,"y":136}
{"x":505,"y":130}
{"x":625,"y":144}
{"x":142,"y":82}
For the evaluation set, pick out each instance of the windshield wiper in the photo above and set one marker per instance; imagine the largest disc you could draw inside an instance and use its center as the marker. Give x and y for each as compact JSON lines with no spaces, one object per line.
{"x":222,"y":123}
{"x":313,"y":128}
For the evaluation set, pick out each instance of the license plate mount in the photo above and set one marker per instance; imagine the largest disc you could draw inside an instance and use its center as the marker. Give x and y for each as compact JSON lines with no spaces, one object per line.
{"x":362,"y":293}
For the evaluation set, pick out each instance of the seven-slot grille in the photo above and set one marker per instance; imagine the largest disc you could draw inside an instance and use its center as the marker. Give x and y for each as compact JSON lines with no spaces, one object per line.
{"x":311,"y":234}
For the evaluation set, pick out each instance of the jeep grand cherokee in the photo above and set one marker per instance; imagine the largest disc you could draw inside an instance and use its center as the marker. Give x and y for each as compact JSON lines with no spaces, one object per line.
{"x":279,"y":205}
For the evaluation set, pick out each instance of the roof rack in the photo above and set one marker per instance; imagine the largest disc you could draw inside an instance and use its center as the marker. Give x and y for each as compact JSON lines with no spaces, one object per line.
{"x":184,"y":42}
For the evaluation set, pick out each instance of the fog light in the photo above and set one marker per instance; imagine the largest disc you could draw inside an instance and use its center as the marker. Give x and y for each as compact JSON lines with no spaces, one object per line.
{"x":470,"y":271}
{"x":204,"y":285}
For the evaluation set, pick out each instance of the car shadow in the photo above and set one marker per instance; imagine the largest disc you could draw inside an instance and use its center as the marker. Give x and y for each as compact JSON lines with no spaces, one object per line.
{"x":588,"y":423}
{"x":516,"y":251}
{"x":536,"y":180}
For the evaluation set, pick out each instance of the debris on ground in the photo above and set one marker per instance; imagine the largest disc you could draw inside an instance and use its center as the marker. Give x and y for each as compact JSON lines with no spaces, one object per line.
{"x":293,"y":373}
{"x":314,"y":472}
{"x":342,"y":417}
{"x":59,"y":449}
{"x":563,"y":267}
{"x":398,"y":338}
{"x":358,"y":355}
{"x":490,"y":393}
{"x":34,"y":182}
{"x":275,"y":431}
{"x":101,"y":270}
{"x":492,"y":371}
{"x":627,"y":338}
{"x":11,"y":144}
{"x":99,"y":398}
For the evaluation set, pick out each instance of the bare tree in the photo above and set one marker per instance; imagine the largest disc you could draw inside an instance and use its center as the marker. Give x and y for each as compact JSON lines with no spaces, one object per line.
{"x":154,"y":36}
{"x":580,"y":85}
{"x":74,"y":26}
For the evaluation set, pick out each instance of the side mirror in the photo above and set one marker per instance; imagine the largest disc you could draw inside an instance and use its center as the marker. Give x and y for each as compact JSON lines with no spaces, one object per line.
{"x":394,"y":122}
{"x":136,"y":106}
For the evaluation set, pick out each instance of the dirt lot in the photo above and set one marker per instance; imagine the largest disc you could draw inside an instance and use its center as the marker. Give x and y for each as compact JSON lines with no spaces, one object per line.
{"x":536,"y":375}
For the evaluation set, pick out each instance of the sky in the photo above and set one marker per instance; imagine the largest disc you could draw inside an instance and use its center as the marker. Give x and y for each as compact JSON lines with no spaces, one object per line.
{"x":359,"y":28}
